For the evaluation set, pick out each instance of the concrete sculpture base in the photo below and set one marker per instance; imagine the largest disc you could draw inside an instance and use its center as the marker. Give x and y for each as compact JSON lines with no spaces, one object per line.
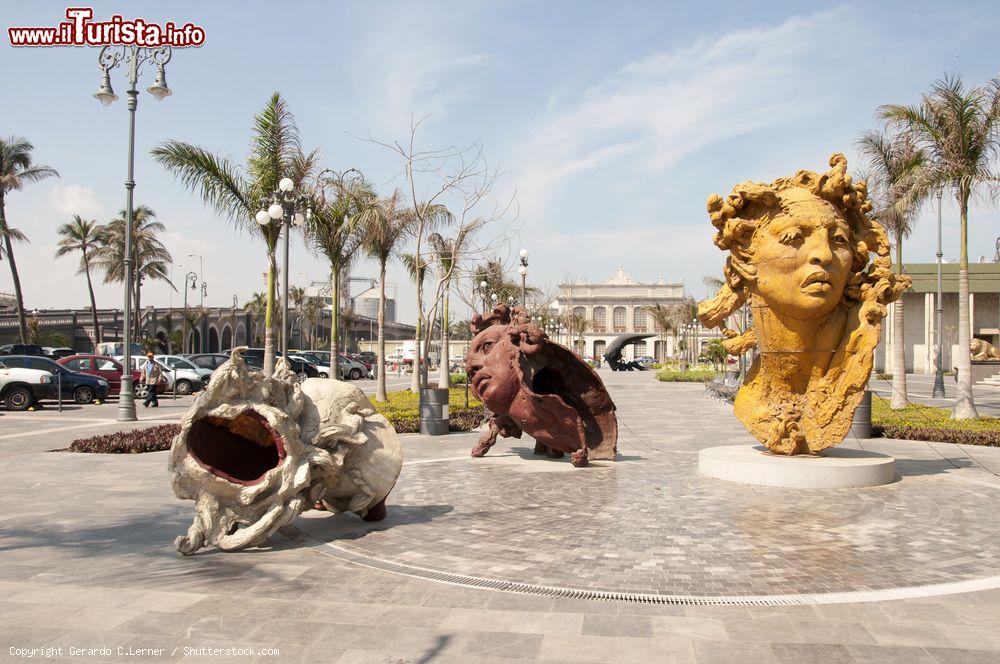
{"x":835,"y":468}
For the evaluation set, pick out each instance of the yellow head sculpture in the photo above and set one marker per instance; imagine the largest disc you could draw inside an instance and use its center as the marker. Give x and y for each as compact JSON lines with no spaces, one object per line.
{"x":801,"y":252}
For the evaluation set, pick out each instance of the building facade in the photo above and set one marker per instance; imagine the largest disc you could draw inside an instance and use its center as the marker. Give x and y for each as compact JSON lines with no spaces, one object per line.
{"x":919,"y":315}
{"x":618,"y":306}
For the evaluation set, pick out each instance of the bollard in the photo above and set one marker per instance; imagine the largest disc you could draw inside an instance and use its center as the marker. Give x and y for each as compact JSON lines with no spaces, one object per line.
{"x":861,"y":425}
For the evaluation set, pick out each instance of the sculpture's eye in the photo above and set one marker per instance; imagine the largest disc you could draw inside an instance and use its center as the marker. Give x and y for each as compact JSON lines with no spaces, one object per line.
{"x":840,"y":237}
{"x":790,"y":236}
{"x":487,"y":345}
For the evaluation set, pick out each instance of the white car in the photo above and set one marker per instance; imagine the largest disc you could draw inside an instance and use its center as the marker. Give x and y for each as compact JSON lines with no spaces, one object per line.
{"x":188,"y":380}
{"x":324,"y":370}
{"x":22,"y":388}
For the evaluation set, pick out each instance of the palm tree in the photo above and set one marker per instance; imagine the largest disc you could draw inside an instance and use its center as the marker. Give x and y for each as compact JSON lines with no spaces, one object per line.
{"x":384,"y":223}
{"x":892,"y":163}
{"x":150,"y":258}
{"x":275,"y":152}
{"x":257,"y":306}
{"x":17,"y":171}
{"x":497,"y":283}
{"x":959,"y":131}
{"x":85,"y":236}
{"x":332,"y":232}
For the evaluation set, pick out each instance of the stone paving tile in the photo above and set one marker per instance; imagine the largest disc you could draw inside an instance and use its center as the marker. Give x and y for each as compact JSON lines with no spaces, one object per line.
{"x":503,"y":645}
{"x":889,"y":655}
{"x":796,"y":653}
{"x":957,"y":656}
{"x":605,"y":625}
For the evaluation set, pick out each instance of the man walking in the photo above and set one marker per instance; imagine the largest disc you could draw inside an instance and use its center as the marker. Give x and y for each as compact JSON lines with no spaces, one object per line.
{"x":150,"y":375}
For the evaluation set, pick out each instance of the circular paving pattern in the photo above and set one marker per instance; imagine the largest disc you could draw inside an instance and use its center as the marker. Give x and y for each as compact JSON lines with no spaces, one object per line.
{"x":649,"y":525}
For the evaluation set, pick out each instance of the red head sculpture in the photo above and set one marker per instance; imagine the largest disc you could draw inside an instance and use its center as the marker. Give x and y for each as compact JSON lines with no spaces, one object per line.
{"x":534,"y":385}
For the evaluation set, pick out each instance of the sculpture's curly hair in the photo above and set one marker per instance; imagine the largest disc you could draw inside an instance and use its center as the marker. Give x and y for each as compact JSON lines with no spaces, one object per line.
{"x":523,"y":332}
{"x":752,"y":205}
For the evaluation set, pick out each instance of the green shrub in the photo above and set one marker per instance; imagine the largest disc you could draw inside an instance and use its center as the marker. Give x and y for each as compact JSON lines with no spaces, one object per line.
{"x":137,"y":441}
{"x":403,"y":410}
{"x":457,"y":379}
{"x":689,"y":376}
{"x":920,"y":422}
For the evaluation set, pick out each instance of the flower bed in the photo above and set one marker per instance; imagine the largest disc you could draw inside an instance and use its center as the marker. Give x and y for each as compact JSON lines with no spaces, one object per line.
{"x":136,"y":441}
{"x":919,"y":422}
{"x":403,"y":410}
{"x":689,"y":376}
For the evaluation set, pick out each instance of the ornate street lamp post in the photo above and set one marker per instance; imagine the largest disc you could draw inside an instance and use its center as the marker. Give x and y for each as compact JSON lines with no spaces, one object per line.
{"x":283,"y":206}
{"x":523,"y":271}
{"x":482,"y":292}
{"x":189,"y":278}
{"x":134,"y":57}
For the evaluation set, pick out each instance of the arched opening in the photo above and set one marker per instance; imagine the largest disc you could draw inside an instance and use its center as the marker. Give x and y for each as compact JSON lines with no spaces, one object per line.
{"x":639,"y":319}
{"x":599,"y":347}
{"x":640,"y":348}
{"x":194,"y":341}
{"x":600,"y":319}
{"x":618,"y":319}
{"x":213,"y":340}
{"x":161,"y":341}
{"x":241,"y":334}
{"x":227,"y":338}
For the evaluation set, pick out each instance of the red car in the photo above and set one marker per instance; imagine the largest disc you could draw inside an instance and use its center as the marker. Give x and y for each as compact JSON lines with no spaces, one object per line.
{"x":107,"y":368}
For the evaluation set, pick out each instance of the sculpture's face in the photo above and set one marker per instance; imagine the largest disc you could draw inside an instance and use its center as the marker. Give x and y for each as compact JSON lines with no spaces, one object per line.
{"x":803,"y":257}
{"x":490,"y":366}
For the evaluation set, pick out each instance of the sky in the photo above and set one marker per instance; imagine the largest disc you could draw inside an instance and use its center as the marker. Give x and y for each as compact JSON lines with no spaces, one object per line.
{"x":610,"y":124}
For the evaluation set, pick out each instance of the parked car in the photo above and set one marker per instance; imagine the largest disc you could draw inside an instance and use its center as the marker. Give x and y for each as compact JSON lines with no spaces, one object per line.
{"x":352,"y":369}
{"x":58,"y":352}
{"x":101,"y":366}
{"x":322,"y":368}
{"x":22,"y":388}
{"x":646,"y":361}
{"x":182,"y":363}
{"x":303,"y":369}
{"x":21,"y":349}
{"x":79,"y":387}
{"x":368,"y":357}
{"x":208,"y":360}
{"x":188,"y":380}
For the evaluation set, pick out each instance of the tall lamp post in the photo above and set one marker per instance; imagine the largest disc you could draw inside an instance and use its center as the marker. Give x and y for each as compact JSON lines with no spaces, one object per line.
{"x":482,"y":292}
{"x":283,"y":207}
{"x":134,"y":57}
{"x":189,"y":278}
{"x":938,"y":389}
{"x":201,"y":276}
{"x":523,"y":271}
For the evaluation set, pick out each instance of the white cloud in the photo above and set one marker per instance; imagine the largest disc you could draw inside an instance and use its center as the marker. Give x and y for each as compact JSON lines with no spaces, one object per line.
{"x":75,"y":199}
{"x":652,"y":112}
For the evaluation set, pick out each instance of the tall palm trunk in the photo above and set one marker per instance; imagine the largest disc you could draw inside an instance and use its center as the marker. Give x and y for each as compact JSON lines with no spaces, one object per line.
{"x":334,"y":327}
{"x":899,"y":395}
{"x":269,"y":316}
{"x":93,"y":302}
{"x":965,"y":405}
{"x":444,"y":370}
{"x":415,"y":381}
{"x":380,"y":382}
{"x":22,"y":323}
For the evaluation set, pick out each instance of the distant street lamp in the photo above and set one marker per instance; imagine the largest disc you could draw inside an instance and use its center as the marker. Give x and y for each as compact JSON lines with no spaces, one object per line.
{"x":134,"y":57}
{"x":201,"y":276}
{"x":189,"y":278}
{"x":283,"y":206}
{"x":482,"y":293}
{"x":523,"y":271}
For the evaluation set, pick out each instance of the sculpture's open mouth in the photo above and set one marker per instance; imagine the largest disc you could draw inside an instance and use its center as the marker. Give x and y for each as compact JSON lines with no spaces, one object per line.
{"x":240,"y":450}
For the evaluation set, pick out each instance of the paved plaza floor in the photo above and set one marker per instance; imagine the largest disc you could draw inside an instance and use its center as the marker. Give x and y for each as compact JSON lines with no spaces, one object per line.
{"x":512,"y":557}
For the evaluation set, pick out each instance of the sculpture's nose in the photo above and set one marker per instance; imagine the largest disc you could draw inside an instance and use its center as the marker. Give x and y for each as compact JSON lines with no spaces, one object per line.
{"x":820,"y":252}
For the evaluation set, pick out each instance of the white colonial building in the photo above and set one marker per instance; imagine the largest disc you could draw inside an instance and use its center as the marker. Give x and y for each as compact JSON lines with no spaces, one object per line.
{"x":618,"y":306}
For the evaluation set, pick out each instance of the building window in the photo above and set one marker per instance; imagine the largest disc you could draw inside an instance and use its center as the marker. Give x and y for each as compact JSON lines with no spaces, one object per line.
{"x":580,"y":345}
{"x":600,"y":319}
{"x":599,"y":347}
{"x":639,"y":318}
{"x":618,"y":319}
{"x":640,"y":348}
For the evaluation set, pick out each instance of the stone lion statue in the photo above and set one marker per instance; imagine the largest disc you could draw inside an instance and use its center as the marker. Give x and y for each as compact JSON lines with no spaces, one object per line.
{"x":983,"y":350}
{"x":256,"y":451}
{"x":816,"y":272}
{"x":537,"y":386}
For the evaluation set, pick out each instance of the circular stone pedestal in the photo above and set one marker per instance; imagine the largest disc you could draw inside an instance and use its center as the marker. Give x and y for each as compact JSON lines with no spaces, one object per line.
{"x":834,"y":468}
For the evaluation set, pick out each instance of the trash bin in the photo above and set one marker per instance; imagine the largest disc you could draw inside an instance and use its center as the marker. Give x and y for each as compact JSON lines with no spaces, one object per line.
{"x":434,"y":411}
{"x":861,"y":425}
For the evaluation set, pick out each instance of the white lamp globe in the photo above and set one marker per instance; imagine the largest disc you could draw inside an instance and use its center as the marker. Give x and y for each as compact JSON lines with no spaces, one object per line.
{"x":524,"y":253}
{"x":523,"y":271}
{"x":482,"y":284}
{"x":286,"y":184}
{"x":275,"y":211}
{"x":263,"y":218}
